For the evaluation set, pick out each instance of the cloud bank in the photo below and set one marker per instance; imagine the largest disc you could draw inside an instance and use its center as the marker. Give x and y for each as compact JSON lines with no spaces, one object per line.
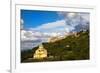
{"x":71,"y":22}
{"x":77,"y":20}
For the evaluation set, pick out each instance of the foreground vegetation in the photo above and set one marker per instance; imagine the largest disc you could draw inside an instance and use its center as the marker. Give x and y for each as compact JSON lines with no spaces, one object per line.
{"x":69,"y":48}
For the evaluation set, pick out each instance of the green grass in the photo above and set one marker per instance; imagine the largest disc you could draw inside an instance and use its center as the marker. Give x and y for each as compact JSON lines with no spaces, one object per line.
{"x":78,"y":49}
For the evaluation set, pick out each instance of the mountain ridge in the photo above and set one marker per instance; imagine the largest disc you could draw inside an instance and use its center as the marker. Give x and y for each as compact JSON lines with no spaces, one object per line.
{"x":71,"y":47}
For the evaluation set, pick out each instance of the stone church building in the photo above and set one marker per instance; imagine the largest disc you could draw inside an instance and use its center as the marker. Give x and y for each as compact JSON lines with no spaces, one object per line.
{"x":40,"y":53}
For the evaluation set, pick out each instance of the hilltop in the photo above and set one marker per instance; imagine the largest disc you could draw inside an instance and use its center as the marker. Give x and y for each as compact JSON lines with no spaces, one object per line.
{"x":72,"y":47}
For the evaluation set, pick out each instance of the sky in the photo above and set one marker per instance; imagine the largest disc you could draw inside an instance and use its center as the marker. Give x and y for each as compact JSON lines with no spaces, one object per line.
{"x":38,"y":26}
{"x":34,"y":18}
{"x":53,"y":21}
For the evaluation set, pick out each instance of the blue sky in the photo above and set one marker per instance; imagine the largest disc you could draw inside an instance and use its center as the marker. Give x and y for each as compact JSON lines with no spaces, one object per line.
{"x":54,"y":21}
{"x":34,"y":18}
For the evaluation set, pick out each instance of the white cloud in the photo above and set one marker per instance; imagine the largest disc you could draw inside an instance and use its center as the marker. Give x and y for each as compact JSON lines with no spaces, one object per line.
{"x":76,"y":20}
{"x":74,"y":15}
{"x":57,"y":26}
{"x":85,"y":16}
{"x":71,"y":14}
{"x":59,"y":23}
{"x":21,"y":23}
{"x":60,"y":26}
{"x":71,"y":22}
{"x":28,"y":35}
{"x":68,"y":14}
{"x":29,"y":39}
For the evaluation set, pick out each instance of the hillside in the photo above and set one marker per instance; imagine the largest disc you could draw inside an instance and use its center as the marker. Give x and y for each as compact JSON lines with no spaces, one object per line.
{"x":70,"y":48}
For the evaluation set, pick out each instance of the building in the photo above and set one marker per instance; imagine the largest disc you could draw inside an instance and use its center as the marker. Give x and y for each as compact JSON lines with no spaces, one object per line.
{"x":40,"y":53}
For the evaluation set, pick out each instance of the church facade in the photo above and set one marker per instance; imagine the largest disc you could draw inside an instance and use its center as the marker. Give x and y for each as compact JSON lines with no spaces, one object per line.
{"x":40,"y":53}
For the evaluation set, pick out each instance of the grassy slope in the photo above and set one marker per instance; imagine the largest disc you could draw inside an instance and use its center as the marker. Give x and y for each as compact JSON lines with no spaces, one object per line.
{"x":70,"y":48}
